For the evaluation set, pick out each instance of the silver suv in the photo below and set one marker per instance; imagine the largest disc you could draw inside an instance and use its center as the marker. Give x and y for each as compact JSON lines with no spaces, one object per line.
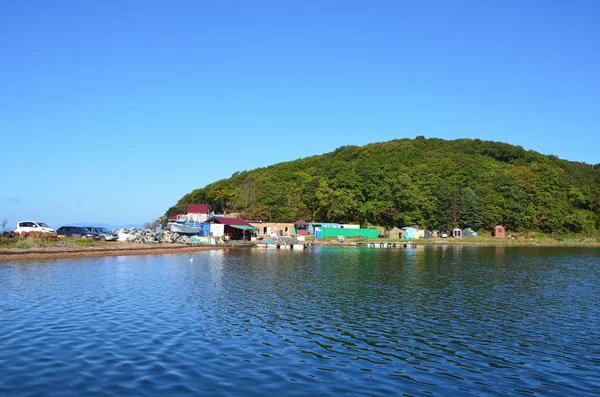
{"x":104,"y":233}
{"x":33,"y":226}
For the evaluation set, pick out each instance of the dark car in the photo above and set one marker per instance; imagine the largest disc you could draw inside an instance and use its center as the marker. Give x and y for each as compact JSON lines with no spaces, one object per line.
{"x":77,"y":232}
{"x":104,"y":233}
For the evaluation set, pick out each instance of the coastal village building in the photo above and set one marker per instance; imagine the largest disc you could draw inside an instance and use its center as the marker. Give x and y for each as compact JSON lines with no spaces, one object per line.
{"x":396,"y":233}
{"x":499,"y":232}
{"x":457,"y":232}
{"x":301,"y":227}
{"x":230,"y":228}
{"x":194,"y":213}
{"x":197,"y":212}
{"x":411,"y":232}
{"x":271,"y":229}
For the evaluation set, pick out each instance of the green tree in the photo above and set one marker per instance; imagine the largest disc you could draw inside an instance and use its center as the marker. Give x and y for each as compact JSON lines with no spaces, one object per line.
{"x":470,"y":209}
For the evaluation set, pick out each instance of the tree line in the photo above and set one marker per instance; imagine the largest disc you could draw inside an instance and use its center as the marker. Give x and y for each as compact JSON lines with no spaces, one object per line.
{"x":434,"y":183}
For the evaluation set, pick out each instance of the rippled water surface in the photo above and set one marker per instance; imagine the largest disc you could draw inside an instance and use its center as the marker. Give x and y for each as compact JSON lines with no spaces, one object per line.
{"x":325,"y":321}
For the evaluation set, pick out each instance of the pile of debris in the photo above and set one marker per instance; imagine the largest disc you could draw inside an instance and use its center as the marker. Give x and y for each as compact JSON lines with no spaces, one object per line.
{"x":149,"y":237}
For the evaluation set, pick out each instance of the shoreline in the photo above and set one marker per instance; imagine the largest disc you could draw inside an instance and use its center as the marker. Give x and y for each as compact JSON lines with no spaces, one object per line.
{"x":123,"y":249}
{"x":500,"y":243}
{"x":130,"y":249}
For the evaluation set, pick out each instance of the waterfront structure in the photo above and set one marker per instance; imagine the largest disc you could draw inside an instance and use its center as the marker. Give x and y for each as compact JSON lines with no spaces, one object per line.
{"x":457,"y":232}
{"x":499,"y":232}
{"x":231,"y":228}
{"x":396,"y":233}
{"x":197,"y":212}
{"x":272,"y":229}
{"x":301,"y":227}
{"x":411,"y":232}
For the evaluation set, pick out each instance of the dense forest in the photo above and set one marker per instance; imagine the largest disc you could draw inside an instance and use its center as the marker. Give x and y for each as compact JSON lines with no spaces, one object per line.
{"x":434,"y":183}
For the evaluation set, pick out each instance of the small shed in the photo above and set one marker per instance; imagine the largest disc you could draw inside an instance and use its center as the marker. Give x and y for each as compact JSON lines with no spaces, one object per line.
{"x":411,"y":232}
{"x":301,"y":227}
{"x":396,"y":233}
{"x":499,"y":232}
{"x":457,"y":232}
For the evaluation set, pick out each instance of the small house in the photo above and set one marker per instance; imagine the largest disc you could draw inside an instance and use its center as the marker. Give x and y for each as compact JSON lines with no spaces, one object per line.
{"x":411,"y":232}
{"x":457,"y":232}
{"x":197,"y":212}
{"x":273,"y":229}
{"x":396,"y":233}
{"x":499,"y":232}
{"x":177,"y":217}
{"x":231,"y":228}
{"x":301,"y":227}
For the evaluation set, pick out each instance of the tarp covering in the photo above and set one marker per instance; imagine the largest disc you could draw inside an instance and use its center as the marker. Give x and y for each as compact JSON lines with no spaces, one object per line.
{"x":244,"y":227}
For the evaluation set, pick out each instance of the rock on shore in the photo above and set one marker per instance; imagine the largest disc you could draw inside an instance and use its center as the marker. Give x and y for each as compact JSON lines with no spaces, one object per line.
{"x":149,"y":237}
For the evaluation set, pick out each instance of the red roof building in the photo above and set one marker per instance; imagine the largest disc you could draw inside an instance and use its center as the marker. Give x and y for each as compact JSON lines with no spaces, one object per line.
{"x":174,"y":217}
{"x":234,"y":228}
{"x":229,"y":221}
{"x":197,"y":209}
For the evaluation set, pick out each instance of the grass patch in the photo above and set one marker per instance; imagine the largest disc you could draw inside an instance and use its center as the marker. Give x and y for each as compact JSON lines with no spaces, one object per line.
{"x":40,"y":242}
{"x":24,"y":243}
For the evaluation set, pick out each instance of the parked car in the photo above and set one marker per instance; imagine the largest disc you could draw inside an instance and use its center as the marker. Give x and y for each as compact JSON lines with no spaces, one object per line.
{"x":77,"y":232}
{"x":444,"y":235}
{"x":33,"y":226}
{"x":104,"y":233}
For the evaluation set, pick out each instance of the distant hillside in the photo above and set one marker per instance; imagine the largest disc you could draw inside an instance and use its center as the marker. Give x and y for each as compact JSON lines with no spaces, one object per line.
{"x":431,"y":182}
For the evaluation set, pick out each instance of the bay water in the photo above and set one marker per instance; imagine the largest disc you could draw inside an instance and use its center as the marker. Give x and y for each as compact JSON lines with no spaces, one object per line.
{"x":435,"y":320}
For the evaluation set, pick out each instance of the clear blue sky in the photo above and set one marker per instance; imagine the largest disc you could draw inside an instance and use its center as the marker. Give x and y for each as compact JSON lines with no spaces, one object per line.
{"x":110,"y":111}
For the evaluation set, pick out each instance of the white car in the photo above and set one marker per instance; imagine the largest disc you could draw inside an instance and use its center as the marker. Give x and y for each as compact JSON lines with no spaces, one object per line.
{"x":33,"y":226}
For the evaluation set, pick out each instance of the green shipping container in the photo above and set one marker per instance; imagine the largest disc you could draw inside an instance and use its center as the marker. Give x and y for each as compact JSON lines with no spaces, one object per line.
{"x":334,"y":232}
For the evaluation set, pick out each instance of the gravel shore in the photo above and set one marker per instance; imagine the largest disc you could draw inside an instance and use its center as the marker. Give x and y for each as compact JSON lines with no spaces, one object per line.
{"x":108,"y":249}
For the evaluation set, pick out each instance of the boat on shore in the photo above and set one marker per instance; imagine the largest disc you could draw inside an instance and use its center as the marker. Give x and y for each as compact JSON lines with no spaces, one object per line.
{"x":182,"y":228}
{"x":183,"y":225}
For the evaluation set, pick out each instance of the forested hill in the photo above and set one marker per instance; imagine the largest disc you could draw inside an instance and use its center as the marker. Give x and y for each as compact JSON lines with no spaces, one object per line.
{"x":430,"y":182}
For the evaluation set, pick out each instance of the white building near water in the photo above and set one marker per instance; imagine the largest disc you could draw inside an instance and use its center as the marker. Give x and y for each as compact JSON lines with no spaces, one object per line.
{"x":217,"y":230}
{"x":197,"y":212}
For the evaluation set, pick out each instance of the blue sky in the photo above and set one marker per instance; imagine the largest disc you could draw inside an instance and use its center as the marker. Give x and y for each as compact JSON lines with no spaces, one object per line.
{"x":112,"y":110}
